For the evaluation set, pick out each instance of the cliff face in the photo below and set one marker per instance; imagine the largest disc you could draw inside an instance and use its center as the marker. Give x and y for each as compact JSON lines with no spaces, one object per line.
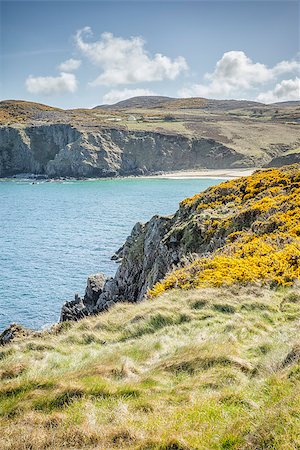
{"x":149,"y":253}
{"x":244,"y":230}
{"x":279,"y":161}
{"x":63,"y":150}
{"x":30,"y":149}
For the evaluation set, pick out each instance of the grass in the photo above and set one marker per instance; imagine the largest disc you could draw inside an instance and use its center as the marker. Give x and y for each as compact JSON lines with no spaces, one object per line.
{"x":177,"y":127}
{"x":216,"y":368}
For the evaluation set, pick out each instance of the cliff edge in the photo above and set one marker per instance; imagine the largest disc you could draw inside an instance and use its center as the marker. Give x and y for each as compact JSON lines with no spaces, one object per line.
{"x":59,"y":150}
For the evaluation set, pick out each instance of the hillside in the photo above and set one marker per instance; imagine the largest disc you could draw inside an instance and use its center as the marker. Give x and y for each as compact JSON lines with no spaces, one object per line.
{"x":148,"y":101}
{"x":249,"y":226}
{"x":210,"y":360}
{"x":192,"y":370}
{"x":252,"y":134}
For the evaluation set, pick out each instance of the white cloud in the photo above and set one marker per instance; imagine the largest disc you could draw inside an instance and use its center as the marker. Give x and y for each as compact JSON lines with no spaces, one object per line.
{"x":125,"y":61}
{"x":65,"y":82}
{"x":69,"y":65}
{"x":235,"y":73}
{"x":117,"y":95}
{"x":286,"y":67}
{"x":284,"y":91}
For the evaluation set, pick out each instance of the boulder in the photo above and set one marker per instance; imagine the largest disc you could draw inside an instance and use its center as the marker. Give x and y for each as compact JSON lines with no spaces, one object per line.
{"x":81,"y":307}
{"x":94,"y":288}
{"x":74,"y":310}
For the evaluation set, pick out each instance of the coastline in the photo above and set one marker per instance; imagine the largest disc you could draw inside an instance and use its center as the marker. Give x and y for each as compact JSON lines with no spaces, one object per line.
{"x":205,"y":173}
{"x":179,"y":174}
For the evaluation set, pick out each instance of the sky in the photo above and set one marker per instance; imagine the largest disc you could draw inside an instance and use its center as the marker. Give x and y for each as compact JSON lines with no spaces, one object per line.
{"x":85,"y":53}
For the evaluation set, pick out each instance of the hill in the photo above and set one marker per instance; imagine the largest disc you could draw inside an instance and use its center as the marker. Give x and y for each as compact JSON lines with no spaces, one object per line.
{"x":12,"y":111}
{"x":115,"y":140}
{"x":147,"y":101}
{"x":159,"y":102}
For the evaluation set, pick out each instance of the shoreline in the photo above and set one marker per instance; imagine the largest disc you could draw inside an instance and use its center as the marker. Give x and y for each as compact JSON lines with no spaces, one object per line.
{"x":178,"y":174}
{"x":205,"y":173}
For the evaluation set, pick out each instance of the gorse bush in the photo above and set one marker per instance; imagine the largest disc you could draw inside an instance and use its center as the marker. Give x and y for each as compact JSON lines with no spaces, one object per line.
{"x":258,"y":219}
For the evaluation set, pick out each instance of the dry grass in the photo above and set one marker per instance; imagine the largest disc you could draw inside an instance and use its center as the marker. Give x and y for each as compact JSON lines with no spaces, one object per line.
{"x":199,"y":369}
{"x":177,"y":127}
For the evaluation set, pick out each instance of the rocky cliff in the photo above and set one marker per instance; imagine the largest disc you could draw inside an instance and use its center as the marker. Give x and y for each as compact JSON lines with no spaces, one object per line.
{"x":64,"y":150}
{"x":239,"y":231}
{"x":291,"y":158}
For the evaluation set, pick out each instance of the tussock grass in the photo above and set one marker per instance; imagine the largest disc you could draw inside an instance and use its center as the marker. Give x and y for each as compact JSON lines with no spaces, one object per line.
{"x":216,"y":368}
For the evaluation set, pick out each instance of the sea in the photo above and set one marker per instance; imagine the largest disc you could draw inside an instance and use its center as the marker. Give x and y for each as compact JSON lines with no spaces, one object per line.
{"x":54,"y":234}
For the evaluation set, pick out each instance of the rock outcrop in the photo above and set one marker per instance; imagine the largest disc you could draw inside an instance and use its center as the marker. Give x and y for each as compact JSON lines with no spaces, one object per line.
{"x":64,"y":150}
{"x":284,"y":160}
{"x":81,"y":307}
{"x":14,"y":331}
{"x":149,"y":253}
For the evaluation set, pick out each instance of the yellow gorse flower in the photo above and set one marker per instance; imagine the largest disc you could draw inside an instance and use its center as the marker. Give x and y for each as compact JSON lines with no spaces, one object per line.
{"x":260,"y":216}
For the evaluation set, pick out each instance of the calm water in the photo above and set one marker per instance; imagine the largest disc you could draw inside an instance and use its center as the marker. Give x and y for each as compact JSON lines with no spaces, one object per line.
{"x":53,"y":235}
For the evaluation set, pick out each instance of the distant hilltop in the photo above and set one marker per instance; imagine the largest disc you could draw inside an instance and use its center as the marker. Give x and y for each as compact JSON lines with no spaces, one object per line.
{"x":161,"y":102}
{"x":144,"y":101}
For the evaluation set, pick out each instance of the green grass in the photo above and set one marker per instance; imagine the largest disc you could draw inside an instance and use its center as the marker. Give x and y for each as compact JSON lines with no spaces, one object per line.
{"x":199,"y":369}
{"x":178,"y":127}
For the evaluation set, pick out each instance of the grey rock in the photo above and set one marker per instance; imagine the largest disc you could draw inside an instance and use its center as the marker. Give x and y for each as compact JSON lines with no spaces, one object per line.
{"x":62,"y":150}
{"x":74,"y":310}
{"x":279,"y":161}
{"x":82,"y":307}
{"x":94,"y":288}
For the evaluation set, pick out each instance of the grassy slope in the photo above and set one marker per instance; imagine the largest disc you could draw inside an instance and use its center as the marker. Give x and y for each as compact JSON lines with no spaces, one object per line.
{"x":210,"y":368}
{"x":199,"y":369}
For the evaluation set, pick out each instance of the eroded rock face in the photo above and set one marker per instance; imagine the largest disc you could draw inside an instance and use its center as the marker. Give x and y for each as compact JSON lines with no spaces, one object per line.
{"x":63,"y":150}
{"x":29,"y":149}
{"x":82,"y":307}
{"x":284,"y":160}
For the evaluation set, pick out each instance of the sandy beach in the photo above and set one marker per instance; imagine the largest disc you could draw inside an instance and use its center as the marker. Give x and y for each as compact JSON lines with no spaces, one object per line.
{"x":206,"y":173}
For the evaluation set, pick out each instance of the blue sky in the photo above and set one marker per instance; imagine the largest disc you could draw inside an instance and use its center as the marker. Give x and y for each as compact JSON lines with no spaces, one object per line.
{"x":82,"y":53}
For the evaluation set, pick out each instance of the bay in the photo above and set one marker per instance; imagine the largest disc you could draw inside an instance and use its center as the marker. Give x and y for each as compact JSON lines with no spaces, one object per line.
{"x":54,"y":234}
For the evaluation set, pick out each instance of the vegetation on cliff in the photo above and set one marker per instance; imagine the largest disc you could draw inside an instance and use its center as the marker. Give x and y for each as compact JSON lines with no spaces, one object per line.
{"x":258,"y":220}
{"x":212,"y":368}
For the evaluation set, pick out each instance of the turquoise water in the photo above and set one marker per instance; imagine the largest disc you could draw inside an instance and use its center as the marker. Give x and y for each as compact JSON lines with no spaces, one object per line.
{"x":53,"y":235}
